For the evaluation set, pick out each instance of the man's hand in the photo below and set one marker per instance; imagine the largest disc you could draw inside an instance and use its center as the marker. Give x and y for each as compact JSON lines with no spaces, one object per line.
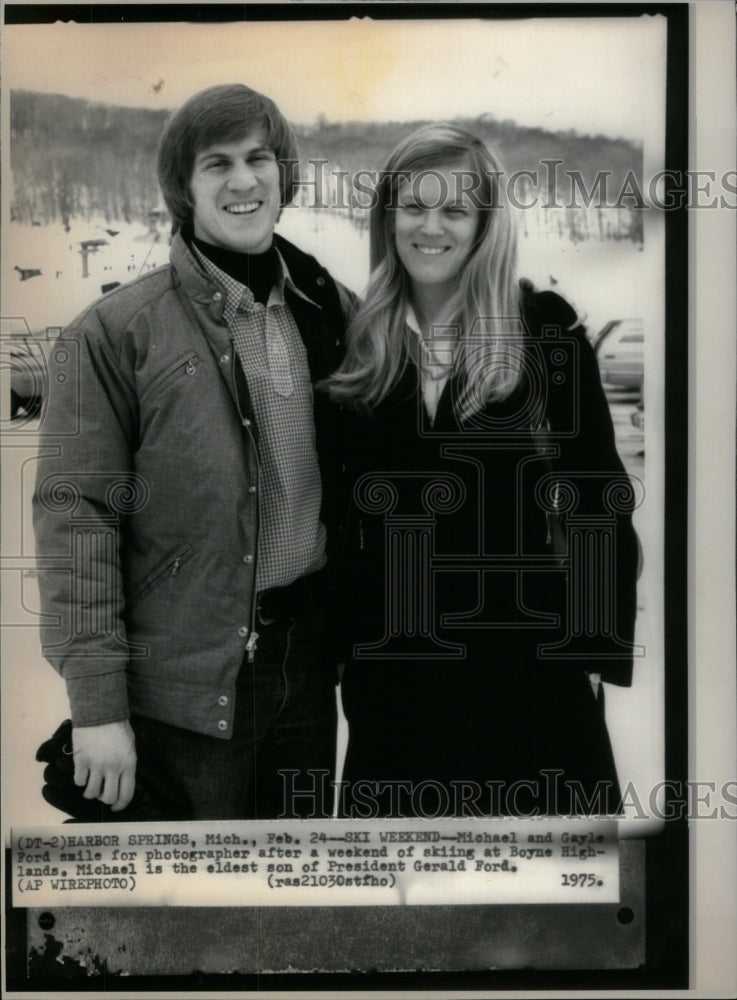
{"x":105,"y":761}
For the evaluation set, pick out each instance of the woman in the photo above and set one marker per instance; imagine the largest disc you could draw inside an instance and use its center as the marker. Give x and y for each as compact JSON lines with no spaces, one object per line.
{"x":478,"y":621}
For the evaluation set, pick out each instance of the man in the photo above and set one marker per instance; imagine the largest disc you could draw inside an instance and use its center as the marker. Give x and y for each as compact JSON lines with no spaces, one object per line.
{"x":185,"y":579}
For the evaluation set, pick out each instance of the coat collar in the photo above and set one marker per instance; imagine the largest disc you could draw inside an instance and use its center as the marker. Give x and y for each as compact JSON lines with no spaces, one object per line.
{"x":303,"y":276}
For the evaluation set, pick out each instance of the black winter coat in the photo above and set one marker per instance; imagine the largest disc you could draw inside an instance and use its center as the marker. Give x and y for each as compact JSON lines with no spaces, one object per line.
{"x":489,"y":568}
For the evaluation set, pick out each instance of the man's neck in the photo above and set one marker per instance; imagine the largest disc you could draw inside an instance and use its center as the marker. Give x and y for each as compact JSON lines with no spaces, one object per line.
{"x":257,"y":271}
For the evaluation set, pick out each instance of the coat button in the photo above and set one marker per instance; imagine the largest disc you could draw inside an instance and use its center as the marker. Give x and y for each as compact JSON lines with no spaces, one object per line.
{"x":248,"y":559}
{"x":217,"y":296}
{"x":251,"y":489}
{"x":243,"y":631}
{"x":320,"y":282}
{"x":225,"y":359}
{"x":223,"y":699}
{"x":222,"y":725}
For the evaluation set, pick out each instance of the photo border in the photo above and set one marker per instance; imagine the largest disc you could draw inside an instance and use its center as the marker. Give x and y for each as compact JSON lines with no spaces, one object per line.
{"x":667,"y":898}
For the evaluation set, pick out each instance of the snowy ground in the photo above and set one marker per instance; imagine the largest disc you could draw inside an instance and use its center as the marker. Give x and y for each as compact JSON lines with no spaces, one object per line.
{"x":54,"y":297}
{"x":603,"y":280}
{"x":606,"y":280}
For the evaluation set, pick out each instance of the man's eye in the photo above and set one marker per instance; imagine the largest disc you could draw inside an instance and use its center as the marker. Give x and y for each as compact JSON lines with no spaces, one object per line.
{"x":457,"y":210}
{"x":410,"y":207}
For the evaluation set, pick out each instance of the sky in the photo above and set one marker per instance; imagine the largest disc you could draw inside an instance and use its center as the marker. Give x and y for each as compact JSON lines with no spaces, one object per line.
{"x":595,"y":75}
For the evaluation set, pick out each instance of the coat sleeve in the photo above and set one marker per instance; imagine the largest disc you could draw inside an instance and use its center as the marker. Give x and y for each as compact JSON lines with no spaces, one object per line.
{"x":349,"y":301}
{"x":85,"y":489}
{"x":605,"y":494}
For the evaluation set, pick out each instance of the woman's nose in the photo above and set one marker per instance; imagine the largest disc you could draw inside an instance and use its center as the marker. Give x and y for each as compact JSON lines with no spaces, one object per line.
{"x":432,"y":224}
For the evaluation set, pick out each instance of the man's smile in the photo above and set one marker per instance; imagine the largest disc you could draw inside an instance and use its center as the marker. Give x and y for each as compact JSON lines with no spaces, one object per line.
{"x":242,"y":207}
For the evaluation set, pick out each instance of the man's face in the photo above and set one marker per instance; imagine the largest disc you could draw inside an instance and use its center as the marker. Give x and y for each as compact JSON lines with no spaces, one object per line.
{"x":236,"y":192}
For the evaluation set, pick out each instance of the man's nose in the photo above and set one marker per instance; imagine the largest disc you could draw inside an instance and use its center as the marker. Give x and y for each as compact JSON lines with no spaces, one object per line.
{"x":242,"y":177}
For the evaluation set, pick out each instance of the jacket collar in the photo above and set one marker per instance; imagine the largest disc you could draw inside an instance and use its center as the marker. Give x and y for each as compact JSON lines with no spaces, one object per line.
{"x":301,"y":272}
{"x":310,"y":294}
{"x":240,"y":295}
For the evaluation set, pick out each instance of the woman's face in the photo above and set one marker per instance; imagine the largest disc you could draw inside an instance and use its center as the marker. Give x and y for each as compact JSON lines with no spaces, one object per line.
{"x":435,"y":224}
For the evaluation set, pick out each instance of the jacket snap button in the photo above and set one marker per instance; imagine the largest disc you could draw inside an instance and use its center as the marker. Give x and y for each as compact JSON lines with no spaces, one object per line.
{"x":223,"y":699}
{"x":320,"y":282}
{"x":225,"y":359}
{"x":243,"y":631}
{"x":217,"y":296}
{"x":222,"y":725}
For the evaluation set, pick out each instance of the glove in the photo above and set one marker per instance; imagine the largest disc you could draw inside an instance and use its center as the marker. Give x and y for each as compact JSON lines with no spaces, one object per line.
{"x":153,"y":799}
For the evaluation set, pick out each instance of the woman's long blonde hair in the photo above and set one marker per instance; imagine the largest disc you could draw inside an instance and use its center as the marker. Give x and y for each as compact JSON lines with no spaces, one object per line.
{"x":486,"y":307}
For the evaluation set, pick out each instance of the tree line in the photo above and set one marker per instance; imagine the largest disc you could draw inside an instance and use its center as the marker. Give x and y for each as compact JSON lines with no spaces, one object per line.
{"x":76,"y":159}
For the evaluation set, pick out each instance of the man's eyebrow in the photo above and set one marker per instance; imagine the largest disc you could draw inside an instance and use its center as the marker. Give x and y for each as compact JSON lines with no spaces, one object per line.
{"x":216,"y":152}
{"x":208,"y":154}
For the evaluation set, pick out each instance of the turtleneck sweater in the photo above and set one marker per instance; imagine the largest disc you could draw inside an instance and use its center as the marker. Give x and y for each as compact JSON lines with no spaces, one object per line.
{"x":257,"y":271}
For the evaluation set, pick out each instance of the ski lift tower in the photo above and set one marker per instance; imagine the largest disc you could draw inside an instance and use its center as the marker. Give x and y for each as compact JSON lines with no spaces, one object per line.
{"x":88,"y":247}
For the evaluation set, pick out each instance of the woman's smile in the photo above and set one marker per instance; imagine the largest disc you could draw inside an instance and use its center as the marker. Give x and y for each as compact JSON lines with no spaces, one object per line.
{"x":435,"y":225}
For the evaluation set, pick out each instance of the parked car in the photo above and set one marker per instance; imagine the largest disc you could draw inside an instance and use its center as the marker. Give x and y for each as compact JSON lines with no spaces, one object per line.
{"x":27,"y":365}
{"x":620,"y":350}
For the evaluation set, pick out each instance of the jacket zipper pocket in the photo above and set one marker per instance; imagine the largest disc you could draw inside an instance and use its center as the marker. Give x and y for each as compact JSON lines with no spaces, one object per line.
{"x":170,"y":567}
{"x":186,"y":366}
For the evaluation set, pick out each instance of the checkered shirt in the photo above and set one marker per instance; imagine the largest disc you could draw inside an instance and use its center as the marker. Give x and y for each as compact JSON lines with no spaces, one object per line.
{"x":274,"y":359}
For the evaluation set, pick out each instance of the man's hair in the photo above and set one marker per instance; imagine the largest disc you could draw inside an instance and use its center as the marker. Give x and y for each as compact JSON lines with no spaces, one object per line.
{"x":225,"y":113}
